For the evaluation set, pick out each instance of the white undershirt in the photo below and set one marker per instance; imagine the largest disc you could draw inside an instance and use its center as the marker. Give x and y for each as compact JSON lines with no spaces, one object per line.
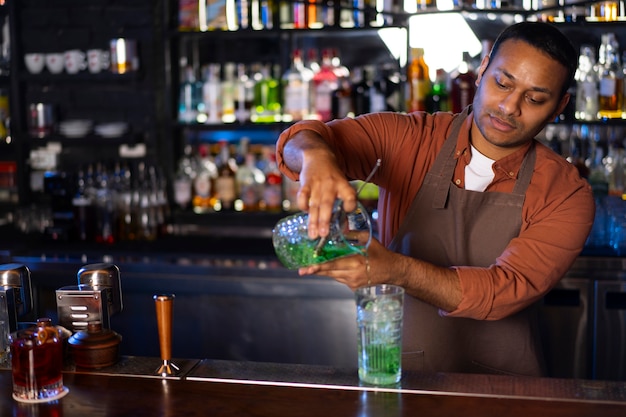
{"x":478,"y":174}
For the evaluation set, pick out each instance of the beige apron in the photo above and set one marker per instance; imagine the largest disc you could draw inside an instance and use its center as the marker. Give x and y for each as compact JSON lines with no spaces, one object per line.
{"x":449,"y":226}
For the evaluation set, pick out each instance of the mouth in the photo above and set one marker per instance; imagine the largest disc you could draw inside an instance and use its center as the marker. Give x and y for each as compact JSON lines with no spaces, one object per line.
{"x":501,"y":124}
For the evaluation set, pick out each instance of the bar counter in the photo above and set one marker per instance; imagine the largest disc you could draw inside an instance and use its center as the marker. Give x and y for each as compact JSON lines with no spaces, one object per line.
{"x":229,"y":388}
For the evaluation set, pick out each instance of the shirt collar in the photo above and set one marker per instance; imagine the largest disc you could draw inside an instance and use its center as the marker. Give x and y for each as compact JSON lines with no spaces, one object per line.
{"x":509,"y":165}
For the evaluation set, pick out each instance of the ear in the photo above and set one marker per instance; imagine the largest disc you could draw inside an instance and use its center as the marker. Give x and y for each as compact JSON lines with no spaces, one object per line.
{"x":564,"y":100}
{"x":482,"y":69}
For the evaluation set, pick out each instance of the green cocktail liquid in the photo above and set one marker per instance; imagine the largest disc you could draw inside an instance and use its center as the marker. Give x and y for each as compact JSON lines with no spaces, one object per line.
{"x":303,"y":254}
{"x":379,"y":364}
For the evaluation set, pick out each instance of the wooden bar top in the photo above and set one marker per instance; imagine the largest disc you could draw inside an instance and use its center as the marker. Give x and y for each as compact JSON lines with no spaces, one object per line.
{"x":226,"y":388}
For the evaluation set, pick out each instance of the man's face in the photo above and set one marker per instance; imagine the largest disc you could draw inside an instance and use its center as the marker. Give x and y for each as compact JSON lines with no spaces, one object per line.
{"x":517,"y":94}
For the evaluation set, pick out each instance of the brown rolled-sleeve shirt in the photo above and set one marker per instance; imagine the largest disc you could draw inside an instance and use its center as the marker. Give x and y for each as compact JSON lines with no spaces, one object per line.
{"x":558,"y":210}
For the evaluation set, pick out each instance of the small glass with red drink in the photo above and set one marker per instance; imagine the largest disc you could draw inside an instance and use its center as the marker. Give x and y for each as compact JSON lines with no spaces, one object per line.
{"x":37,"y":363}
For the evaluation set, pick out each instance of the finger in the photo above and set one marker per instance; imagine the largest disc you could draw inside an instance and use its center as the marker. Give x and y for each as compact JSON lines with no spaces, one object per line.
{"x":303,"y":196}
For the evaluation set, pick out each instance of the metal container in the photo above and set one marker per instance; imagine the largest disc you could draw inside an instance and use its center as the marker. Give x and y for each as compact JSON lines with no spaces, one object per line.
{"x":16,"y":299}
{"x":96,"y":298}
{"x":124,"y":57}
{"x":41,"y":119}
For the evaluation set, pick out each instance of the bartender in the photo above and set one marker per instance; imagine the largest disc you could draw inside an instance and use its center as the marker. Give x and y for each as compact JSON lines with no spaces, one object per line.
{"x":477,"y":219}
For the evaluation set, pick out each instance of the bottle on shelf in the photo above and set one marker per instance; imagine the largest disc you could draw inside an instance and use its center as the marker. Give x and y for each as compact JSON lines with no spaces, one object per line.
{"x":324,"y":83}
{"x":379,"y":91}
{"x":244,"y":94}
{"x":342,"y":103}
{"x":463,"y":84}
{"x":346,"y":13}
{"x":211,"y":94}
{"x":438,"y":97}
{"x":190,"y":99}
{"x":318,"y":14}
{"x":126,"y":201}
{"x":417,"y":81}
{"x":225,"y":184}
{"x":203,"y":184}
{"x":256,"y":20}
{"x":243,"y":14}
{"x":267,"y":104}
{"x":610,"y":94}
{"x":292,"y":14}
{"x":586,"y":85}
{"x":183,"y":181}
{"x":297,"y":89}
{"x":250,"y":182}
{"x":104,"y":206}
{"x":361,"y":89}
{"x":147,"y":211}
{"x":83,"y":210}
{"x":272,"y":191}
{"x":228,"y":93}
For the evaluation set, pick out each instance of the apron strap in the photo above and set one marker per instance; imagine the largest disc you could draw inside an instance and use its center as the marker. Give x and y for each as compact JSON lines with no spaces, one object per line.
{"x":445,"y":162}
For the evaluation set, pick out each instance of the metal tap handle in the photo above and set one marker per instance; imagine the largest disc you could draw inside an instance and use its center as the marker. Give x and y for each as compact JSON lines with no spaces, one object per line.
{"x":164,"y":306}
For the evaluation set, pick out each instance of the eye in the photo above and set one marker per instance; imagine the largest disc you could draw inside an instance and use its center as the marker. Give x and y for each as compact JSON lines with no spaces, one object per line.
{"x":501,"y":84}
{"x":535,"y":100}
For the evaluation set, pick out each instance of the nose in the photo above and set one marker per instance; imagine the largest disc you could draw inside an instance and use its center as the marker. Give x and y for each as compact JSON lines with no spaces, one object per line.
{"x":510,"y":104}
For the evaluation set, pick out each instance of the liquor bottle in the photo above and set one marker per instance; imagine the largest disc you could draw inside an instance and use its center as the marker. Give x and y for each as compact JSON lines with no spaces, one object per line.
{"x":297,"y":89}
{"x":418,"y":81}
{"x":250,"y":182}
{"x":438,"y":99}
{"x":267,"y":8}
{"x":146,"y":214}
{"x":340,"y":70}
{"x":610,"y":93}
{"x":324,"y":82}
{"x":104,"y":206}
{"x":358,"y":13}
{"x":83,"y":210}
{"x":203,"y":184}
{"x":361,"y":89}
{"x":190,"y":96}
{"x":316,"y":14}
{"x":378,"y":91}
{"x":188,"y":15}
{"x":624,"y":85}
{"x":267,"y":105}
{"x":292,"y":14}
{"x":244,"y":94}
{"x":243,"y":14}
{"x":463,"y":85}
{"x":211,"y":94}
{"x":228,"y":93}
{"x":586,"y":85}
{"x":225,"y":184}
{"x":256,"y":20}
{"x":126,"y":219}
{"x":183,"y":181}
{"x":346,"y":13}
{"x":342,"y":104}
{"x":312,"y":61}
{"x":272,"y":192}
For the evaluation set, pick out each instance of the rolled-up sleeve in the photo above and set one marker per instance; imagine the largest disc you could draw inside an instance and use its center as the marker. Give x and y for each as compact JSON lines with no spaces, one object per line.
{"x":553,"y":233}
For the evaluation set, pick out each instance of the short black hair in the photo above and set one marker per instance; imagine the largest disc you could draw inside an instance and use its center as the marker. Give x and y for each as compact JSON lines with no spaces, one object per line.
{"x":546,"y":38}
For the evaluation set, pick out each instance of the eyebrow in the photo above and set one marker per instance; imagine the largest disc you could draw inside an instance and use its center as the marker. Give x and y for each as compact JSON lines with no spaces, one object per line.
{"x":537,"y":89}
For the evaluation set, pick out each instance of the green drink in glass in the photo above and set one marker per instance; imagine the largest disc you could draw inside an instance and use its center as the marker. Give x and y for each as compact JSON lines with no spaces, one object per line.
{"x":350,"y":234}
{"x":379,"y":321}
